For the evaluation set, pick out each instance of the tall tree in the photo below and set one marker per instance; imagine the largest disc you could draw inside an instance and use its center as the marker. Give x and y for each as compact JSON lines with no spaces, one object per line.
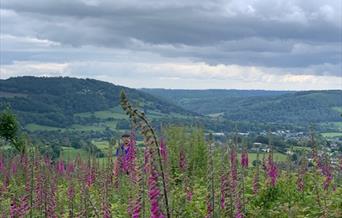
{"x":9,"y":130}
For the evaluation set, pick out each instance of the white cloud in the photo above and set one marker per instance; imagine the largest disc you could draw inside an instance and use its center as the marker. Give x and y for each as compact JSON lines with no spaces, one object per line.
{"x":265,"y":44}
{"x":177,"y":75}
{"x":12,"y":43}
{"x":23,"y":68}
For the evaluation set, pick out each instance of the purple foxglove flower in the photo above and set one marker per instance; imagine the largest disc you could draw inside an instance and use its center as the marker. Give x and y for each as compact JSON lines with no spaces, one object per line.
{"x":90,"y":177}
{"x":233,"y":162}
{"x":24,"y":206}
{"x":24,"y":161}
{"x":301,"y":175}
{"x":238,"y":206}
{"x":60,"y":167}
{"x":129,"y":161}
{"x":272,"y":171}
{"x":326,"y":170}
{"x":70,"y":168}
{"x":239,"y":215}
{"x":52,"y":203}
{"x":146,"y":160}
{"x":106,"y":211}
{"x":244,"y":159}
{"x":234,"y":182}
{"x":47,"y":161}
{"x":256,"y":182}
{"x":300,"y":184}
{"x":71,"y":191}
{"x":154,"y":193}
{"x":182,"y":161}
{"x":189,"y":194}
{"x":14,"y":167}
{"x":13,"y":209}
{"x":209,"y":210}
{"x":223,"y":185}
{"x":39,"y":189}
{"x":116,"y":172}
{"x":163,"y":150}
{"x":137,"y":209}
{"x":2,"y":164}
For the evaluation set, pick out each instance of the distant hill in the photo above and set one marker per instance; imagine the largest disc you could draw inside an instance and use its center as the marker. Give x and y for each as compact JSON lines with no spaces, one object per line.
{"x":63,"y":102}
{"x":202,"y":101}
{"x":90,"y":108}
{"x":259,"y":106}
{"x":62,"y":112}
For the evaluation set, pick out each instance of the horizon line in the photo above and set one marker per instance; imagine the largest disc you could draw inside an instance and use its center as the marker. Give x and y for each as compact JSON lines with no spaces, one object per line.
{"x":180,"y":89}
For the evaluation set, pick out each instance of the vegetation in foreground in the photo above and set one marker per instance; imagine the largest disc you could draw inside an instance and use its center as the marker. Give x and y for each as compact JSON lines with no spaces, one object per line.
{"x":181,"y":175}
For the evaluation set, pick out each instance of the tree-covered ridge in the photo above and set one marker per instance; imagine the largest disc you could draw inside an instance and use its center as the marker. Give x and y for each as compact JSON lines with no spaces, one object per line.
{"x":54,"y":101}
{"x":298,"y":107}
{"x":88,"y":106}
{"x":174,"y":94}
{"x":259,"y":105}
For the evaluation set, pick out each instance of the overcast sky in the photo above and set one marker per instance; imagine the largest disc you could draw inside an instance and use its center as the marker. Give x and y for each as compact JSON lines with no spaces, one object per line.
{"x":192,"y":44}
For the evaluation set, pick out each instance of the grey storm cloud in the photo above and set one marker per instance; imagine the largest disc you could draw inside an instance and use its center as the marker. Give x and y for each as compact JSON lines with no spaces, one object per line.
{"x":267,"y":33}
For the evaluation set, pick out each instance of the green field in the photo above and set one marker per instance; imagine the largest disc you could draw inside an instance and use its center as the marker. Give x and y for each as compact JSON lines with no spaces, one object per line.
{"x":332,"y":134}
{"x":76,"y":127}
{"x":115,"y":113}
{"x":35,"y":127}
{"x":338,"y":109}
{"x":69,"y":153}
{"x":103,"y":146}
{"x":279,"y":157}
{"x":335,"y":126}
{"x":110,"y":124}
{"x":95,"y":127}
{"x":299,"y":148}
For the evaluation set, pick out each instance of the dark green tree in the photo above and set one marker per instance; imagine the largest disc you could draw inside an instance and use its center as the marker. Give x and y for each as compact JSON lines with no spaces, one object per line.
{"x":9,"y":130}
{"x":8,"y":125}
